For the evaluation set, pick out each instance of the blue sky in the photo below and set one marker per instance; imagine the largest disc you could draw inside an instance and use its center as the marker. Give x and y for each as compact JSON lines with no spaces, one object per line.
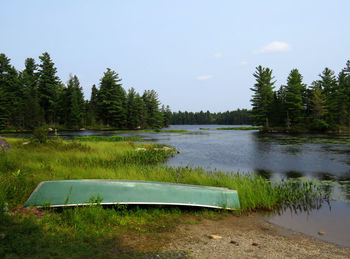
{"x":197,"y":54}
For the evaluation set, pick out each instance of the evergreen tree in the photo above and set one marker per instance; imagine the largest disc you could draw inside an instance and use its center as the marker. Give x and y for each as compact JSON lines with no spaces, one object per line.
{"x":93,"y":102}
{"x":133,"y":120}
{"x":166,"y":115}
{"x":11,"y":94}
{"x":329,"y":86}
{"x":263,"y":95}
{"x":154,"y":118}
{"x":318,"y":108}
{"x":343,"y":96}
{"x":33,"y":115}
{"x":294,"y":97}
{"x":278,"y":110}
{"x":112,"y":100}
{"x":75,"y":103}
{"x":48,"y":87}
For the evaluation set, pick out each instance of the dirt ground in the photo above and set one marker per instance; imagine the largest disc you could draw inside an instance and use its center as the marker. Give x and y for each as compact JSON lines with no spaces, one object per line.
{"x":248,"y":237}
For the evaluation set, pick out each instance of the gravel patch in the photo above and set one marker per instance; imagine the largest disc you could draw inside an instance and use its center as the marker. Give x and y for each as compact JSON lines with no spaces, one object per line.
{"x":249,"y":237}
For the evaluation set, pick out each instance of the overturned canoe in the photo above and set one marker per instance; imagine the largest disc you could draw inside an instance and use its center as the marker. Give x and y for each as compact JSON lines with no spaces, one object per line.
{"x":107,"y":192}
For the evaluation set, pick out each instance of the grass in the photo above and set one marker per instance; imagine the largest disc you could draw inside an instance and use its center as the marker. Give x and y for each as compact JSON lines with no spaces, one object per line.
{"x":112,"y":231}
{"x":239,"y":128}
{"x":204,"y":128}
{"x":109,"y":139}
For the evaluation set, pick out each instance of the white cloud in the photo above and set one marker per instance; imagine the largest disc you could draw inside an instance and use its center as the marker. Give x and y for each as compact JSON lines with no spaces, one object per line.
{"x":204,"y":77}
{"x":274,"y":47}
{"x":218,"y":55}
{"x":243,"y":63}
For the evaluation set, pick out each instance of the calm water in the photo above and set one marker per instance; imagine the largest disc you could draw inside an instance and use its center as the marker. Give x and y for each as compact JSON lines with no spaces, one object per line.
{"x":324,"y":157}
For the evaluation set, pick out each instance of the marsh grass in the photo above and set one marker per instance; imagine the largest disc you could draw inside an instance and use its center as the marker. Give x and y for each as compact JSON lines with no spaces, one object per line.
{"x":95,"y":230}
{"x":109,"y":139}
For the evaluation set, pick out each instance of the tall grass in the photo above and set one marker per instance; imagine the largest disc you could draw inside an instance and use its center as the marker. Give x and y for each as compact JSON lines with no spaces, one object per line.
{"x":109,"y":139}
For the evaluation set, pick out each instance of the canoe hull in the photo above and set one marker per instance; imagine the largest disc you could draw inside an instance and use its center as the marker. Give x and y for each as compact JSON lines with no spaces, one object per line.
{"x":107,"y":192}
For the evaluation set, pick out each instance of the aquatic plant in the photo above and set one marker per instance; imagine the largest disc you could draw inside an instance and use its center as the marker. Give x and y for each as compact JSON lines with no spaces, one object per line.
{"x":300,"y":194}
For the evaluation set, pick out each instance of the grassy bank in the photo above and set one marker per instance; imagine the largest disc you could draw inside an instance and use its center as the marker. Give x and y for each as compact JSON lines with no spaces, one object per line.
{"x":109,"y":139}
{"x":108,"y":232}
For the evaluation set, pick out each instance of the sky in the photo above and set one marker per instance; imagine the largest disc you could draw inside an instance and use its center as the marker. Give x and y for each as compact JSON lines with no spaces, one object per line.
{"x":197,"y":54}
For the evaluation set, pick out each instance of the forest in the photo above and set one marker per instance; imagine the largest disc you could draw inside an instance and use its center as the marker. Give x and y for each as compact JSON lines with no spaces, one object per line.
{"x":237,"y":117}
{"x":36,"y":96}
{"x":322,"y":106}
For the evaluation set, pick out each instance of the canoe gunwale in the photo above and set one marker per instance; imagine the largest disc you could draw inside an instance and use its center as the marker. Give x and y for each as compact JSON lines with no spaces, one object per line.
{"x":134,"y":203}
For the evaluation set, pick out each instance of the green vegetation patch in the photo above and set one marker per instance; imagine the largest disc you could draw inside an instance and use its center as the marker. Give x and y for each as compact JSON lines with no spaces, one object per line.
{"x":110,"y":138}
{"x":239,"y":128}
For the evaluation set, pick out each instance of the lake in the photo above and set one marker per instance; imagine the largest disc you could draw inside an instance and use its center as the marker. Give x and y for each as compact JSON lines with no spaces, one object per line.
{"x":322,"y":157}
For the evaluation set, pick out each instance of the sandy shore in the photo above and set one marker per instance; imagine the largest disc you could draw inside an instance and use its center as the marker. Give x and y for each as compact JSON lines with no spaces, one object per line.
{"x":249,"y":237}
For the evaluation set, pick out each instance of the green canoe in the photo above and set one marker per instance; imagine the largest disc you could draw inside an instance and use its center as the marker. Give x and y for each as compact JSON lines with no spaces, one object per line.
{"x":84,"y":192}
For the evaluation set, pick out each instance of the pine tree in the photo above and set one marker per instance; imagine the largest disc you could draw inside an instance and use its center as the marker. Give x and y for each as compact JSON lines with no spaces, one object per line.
{"x":75,"y":105}
{"x":343,"y":96}
{"x":294,"y":97}
{"x":329,"y":86}
{"x":112,"y":100}
{"x":318,"y":108}
{"x":33,"y":115}
{"x":167,"y":115}
{"x":263,"y":96}
{"x":278,"y":110}
{"x":93,"y":102}
{"x":140,"y":111}
{"x":135,"y":109}
{"x":11,"y":95}
{"x":154,"y":118}
{"x":48,"y":87}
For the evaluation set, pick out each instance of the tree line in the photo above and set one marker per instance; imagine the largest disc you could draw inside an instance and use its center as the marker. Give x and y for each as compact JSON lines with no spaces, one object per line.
{"x":324,"y":105}
{"x":237,"y":117}
{"x":36,"y":96}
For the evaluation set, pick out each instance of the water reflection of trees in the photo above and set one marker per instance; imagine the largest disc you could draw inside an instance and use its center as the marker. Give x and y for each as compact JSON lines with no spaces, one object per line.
{"x":294,"y":174}
{"x":267,"y":174}
{"x":344,"y":183}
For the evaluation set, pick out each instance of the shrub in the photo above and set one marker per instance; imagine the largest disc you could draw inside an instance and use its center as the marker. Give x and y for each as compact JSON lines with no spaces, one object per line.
{"x":40,"y":134}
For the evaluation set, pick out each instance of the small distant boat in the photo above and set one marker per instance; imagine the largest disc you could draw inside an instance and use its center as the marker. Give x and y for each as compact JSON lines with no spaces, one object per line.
{"x":108,"y":192}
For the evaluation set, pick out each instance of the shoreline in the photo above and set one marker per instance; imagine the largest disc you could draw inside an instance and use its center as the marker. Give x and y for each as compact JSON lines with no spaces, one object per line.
{"x":249,"y":236}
